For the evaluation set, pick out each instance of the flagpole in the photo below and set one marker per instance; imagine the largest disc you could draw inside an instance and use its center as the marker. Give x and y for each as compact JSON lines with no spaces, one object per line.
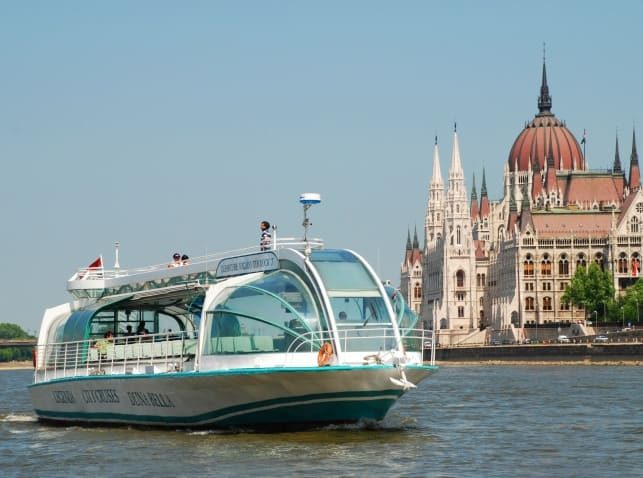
{"x":584,"y":141}
{"x":117,"y":266}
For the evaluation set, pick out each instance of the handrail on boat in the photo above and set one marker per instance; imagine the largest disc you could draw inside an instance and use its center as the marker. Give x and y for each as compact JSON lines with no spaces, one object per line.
{"x":350,"y":339}
{"x":166,"y":352}
{"x":169,"y":351}
{"x":297,"y":243}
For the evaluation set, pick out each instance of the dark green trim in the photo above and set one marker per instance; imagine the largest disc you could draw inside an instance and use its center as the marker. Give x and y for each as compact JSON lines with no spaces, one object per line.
{"x":321,"y":408}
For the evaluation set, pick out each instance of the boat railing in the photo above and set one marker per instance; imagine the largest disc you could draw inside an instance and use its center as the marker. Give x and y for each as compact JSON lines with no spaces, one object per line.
{"x":164,"y":352}
{"x":368,"y":340}
{"x":296,"y":243}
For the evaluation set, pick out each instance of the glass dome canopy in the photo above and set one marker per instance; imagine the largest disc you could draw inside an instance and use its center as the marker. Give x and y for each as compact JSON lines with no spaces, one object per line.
{"x":265,"y":315}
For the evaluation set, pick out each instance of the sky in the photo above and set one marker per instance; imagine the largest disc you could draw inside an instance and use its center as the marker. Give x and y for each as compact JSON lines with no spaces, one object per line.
{"x":178,"y":126}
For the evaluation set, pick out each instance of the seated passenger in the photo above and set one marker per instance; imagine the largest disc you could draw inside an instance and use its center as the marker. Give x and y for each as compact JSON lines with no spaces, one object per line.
{"x":141,"y":330}
{"x":176,"y":260}
{"x":103,"y":344}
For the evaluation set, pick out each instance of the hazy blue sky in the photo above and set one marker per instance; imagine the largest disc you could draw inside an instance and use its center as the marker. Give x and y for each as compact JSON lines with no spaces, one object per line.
{"x":177,"y":126}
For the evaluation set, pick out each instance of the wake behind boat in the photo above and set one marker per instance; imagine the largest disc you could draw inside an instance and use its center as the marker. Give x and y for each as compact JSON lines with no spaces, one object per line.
{"x":297,"y":334}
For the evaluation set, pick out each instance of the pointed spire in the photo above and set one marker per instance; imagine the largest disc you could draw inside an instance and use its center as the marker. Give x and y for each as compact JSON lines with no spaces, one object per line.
{"x":416,"y":244}
{"x":474,"y":201}
{"x":408,"y":240}
{"x":456,"y":165}
{"x":484,"y":199}
{"x":474,"y":194}
{"x":544,"y":100}
{"x":436,"y":179}
{"x":525,"y":212}
{"x":634,"y":157}
{"x":617,"y":160}
{"x":635,"y":173}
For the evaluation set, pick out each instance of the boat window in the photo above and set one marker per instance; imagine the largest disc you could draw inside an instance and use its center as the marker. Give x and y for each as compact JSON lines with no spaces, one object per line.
{"x":342,"y":270}
{"x":363,"y":311}
{"x":265,"y":315}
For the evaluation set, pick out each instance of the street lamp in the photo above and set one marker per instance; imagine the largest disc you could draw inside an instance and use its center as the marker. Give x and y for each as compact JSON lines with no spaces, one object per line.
{"x":637,"y":311}
{"x":623,"y":315}
{"x":595,"y":319}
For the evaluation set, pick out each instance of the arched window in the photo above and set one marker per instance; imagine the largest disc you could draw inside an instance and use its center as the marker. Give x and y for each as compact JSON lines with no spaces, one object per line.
{"x":484,"y":279}
{"x":529,"y":303}
{"x":478,"y":280}
{"x":581,"y":261}
{"x":545,"y":265}
{"x":481,"y":301}
{"x":459,"y":278}
{"x":622,"y":263}
{"x":547,"y":303}
{"x":563,"y":265}
{"x":598,"y":259}
{"x":460,"y":312}
{"x":417,"y":291}
{"x":634,"y":225}
{"x":528,"y":266}
{"x":636,"y":265}
{"x":458,"y":235}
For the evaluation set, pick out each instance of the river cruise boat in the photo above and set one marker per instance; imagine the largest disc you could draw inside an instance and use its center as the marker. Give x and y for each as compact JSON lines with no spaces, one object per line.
{"x":290,"y":333}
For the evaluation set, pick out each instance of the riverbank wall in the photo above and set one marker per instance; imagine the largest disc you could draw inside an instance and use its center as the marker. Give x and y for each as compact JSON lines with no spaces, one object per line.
{"x":551,"y":352}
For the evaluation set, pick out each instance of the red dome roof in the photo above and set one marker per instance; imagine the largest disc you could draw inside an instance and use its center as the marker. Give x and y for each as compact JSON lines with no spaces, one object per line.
{"x":546,"y":135}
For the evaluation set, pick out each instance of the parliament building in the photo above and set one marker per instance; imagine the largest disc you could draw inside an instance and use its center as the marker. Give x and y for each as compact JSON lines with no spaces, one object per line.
{"x":491,"y":269}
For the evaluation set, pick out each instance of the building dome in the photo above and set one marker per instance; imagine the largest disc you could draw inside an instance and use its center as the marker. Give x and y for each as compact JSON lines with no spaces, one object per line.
{"x":543,"y":137}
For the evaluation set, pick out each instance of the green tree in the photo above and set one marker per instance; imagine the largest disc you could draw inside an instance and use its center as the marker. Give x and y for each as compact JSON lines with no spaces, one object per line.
{"x":11,"y":332}
{"x":590,"y":288}
{"x":632,"y":302}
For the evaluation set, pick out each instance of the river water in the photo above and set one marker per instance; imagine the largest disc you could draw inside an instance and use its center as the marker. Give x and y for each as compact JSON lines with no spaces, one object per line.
{"x":465,"y":421}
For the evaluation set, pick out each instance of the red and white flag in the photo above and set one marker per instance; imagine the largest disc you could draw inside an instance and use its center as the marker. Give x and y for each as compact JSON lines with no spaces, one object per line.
{"x":94,"y":269}
{"x":97,"y":264}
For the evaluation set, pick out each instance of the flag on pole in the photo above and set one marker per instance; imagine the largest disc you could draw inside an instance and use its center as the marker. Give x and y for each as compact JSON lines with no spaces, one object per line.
{"x":97,"y":264}
{"x":95,"y":269}
{"x":582,"y":141}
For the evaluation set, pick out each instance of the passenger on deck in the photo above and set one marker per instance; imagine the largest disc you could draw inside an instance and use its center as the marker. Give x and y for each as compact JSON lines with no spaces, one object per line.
{"x":176,"y":260}
{"x":128,"y":331}
{"x":141,"y":330}
{"x":185,"y":260}
{"x":102,"y":344}
{"x":342,"y":315}
{"x":266,"y":237}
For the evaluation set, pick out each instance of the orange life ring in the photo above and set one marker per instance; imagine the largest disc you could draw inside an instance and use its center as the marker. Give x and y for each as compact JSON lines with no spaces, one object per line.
{"x":325,"y":354}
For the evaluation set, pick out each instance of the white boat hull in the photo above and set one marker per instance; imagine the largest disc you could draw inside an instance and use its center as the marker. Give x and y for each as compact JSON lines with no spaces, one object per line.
{"x":227,"y":398}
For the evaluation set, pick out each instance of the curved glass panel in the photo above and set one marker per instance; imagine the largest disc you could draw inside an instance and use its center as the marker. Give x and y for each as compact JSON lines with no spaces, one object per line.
{"x":266,"y":315}
{"x":406,"y":318}
{"x":341,"y":270}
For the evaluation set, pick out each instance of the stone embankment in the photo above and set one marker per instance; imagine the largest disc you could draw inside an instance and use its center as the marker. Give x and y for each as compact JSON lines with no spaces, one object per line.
{"x":631,"y":353}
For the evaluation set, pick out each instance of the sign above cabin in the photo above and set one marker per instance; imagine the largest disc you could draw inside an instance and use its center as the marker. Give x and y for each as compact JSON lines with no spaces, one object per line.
{"x":234,"y":266}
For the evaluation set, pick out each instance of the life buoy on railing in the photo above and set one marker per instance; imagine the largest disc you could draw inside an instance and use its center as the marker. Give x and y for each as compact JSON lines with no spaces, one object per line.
{"x":33,"y":356}
{"x":325,"y":354}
